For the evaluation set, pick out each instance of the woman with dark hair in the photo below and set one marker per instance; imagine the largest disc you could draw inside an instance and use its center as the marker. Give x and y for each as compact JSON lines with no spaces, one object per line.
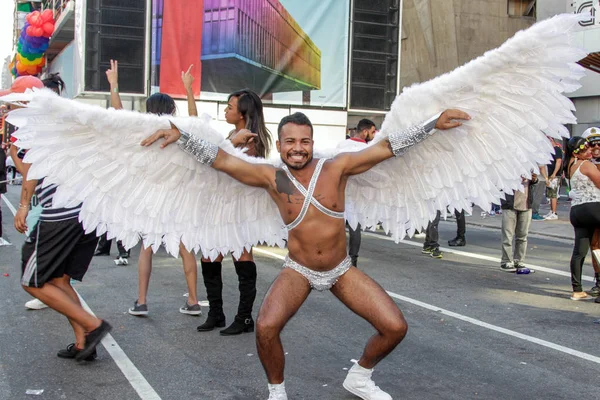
{"x":584,"y":180}
{"x":161,"y":104}
{"x":55,"y":83}
{"x":244,"y":111}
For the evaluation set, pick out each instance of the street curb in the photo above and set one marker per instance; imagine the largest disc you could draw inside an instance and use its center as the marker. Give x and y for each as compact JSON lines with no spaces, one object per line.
{"x":498,"y":228}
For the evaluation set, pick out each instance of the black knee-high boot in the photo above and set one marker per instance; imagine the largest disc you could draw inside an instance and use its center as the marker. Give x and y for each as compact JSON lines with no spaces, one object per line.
{"x":243,"y":322}
{"x":213,"y":282}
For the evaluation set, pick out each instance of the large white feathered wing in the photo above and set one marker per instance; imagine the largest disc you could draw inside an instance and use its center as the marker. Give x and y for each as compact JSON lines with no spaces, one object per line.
{"x":514,"y":95}
{"x":95,"y":157}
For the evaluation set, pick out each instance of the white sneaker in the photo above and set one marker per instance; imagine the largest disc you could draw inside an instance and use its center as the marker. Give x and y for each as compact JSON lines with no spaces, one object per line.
{"x":4,"y":242}
{"x":359,"y":383}
{"x":277,"y":392}
{"x":552,"y":216}
{"x":35,"y":304}
{"x":278,"y":396}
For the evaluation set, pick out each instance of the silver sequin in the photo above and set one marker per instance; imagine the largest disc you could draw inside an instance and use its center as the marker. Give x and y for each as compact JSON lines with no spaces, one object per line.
{"x":406,"y":138}
{"x":202,"y":150}
{"x":314,"y":202}
{"x":308,"y":196}
{"x":320,"y":280}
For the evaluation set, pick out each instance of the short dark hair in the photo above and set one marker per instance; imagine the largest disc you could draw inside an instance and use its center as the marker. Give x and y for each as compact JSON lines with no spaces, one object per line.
{"x":364,"y":124}
{"x":54,"y":82}
{"x":296,"y":118}
{"x":161,"y":104}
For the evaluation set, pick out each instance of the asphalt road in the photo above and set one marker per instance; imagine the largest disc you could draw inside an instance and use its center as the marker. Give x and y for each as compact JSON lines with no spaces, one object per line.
{"x":475,"y":332}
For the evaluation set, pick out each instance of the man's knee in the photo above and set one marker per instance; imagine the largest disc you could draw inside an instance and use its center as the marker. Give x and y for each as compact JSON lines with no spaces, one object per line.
{"x":267,"y":328}
{"x":28,"y":289}
{"x":396,"y":329}
{"x":61,"y":282}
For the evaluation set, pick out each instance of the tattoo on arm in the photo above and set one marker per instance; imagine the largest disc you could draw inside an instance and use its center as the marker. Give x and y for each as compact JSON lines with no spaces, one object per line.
{"x":283,"y":184}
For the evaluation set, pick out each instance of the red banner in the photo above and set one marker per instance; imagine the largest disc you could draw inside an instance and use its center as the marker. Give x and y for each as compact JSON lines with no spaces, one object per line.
{"x":182,"y":26}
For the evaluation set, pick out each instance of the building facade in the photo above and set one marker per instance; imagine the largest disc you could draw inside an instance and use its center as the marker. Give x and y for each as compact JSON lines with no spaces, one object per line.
{"x":269,"y":46}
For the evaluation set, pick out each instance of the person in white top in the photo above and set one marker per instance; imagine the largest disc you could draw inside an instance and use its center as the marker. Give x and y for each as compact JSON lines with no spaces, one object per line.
{"x":359,"y":138}
{"x":593,"y":137}
{"x":585,"y":207}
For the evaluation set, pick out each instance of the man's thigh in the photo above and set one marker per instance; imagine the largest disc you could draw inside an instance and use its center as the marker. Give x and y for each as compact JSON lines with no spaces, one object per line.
{"x":283,"y":299}
{"x":367,"y":298}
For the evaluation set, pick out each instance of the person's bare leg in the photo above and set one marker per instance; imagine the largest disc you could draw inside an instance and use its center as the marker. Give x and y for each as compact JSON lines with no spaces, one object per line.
{"x":190,"y":268}
{"x":285,"y":296}
{"x":246,"y":256}
{"x":58,"y":300}
{"x":144,"y":272}
{"x":365,"y":297}
{"x":64,"y":283}
{"x":553,"y":204}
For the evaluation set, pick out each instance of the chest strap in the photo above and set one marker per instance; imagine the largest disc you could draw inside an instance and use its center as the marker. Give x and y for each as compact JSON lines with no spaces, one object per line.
{"x":308,"y":196}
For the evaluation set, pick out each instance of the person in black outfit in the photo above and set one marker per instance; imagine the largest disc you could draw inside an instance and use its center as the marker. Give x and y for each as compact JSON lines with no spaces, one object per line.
{"x":3,"y":178}
{"x":461,"y":229}
{"x":431,"y":245}
{"x":104,"y":247}
{"x":245,"y":112}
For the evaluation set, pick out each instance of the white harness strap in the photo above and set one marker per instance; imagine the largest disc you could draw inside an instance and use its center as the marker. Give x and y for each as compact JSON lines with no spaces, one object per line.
{"x":308,"y":196}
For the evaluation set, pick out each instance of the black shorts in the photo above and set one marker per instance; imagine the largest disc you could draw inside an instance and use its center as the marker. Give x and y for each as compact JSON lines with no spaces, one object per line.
{"x":54,"y":249}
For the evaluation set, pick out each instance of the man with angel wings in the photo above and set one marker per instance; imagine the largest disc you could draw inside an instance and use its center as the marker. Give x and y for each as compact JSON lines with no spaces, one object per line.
{"x":514,"y":95}
{"x":310,"y":196}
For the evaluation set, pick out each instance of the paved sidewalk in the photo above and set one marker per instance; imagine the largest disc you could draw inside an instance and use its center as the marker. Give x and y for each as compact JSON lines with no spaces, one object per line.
{"x":560,"y":228}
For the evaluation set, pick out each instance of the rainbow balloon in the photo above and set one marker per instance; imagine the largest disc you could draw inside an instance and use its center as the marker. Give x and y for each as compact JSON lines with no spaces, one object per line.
{"x":33,"y":43}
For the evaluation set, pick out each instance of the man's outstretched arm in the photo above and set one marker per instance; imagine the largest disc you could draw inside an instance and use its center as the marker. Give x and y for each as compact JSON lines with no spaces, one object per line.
{"x":207,"y":153}
{"x":397,"y":143}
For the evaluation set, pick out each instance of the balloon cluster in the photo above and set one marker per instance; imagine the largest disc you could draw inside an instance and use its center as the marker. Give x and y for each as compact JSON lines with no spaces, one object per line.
{"x":33,"y":42}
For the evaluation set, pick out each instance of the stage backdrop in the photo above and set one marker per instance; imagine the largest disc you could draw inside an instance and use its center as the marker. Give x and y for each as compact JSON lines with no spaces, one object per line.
{"x":288,"y":51}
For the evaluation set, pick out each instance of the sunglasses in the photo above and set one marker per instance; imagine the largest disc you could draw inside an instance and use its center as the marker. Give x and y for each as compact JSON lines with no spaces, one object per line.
{"x":595,"y":144}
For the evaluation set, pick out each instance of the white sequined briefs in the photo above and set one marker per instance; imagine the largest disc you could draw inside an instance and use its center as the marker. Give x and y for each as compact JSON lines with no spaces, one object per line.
{"x":320,"y":280}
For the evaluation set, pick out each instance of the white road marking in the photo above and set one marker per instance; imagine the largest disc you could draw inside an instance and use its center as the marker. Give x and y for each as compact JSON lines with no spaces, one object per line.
{"x":495,"y":328}
{"x":531,"y":339}
{"x":132,"y":374}
{"x":13,"y":210}
{"x":481,"y":257}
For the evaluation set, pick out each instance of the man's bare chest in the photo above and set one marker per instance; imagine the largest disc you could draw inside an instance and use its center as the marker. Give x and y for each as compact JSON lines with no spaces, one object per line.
{"x":291,"y":200}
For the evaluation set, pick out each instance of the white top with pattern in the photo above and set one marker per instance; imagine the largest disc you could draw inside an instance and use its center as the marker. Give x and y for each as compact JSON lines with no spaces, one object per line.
{"x":586,"y":191}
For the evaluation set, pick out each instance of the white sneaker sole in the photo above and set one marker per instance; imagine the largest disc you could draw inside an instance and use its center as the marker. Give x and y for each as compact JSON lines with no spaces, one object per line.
{"x":35,"y":304}
{"x":354,"y":392}
{"x":137,"y":313}
{"x":195,"y":313}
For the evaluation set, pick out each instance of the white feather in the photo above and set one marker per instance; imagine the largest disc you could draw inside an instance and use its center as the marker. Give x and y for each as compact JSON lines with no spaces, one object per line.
{"x":166,"y":197}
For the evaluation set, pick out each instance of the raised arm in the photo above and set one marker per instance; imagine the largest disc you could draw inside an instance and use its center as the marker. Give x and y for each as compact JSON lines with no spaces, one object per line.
{"x":112,"y":75}
{"x":258,"y":175}
{"x":397,"y":143}
{"x":188,"y":79}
